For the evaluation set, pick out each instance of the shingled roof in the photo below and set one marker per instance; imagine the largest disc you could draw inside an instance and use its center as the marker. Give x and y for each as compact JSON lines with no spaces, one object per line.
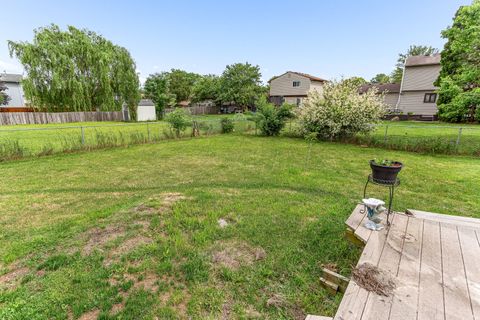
{"x":306,"y":75}
{"x":381,"y":87}
{"x":423,"y":60}
{"x":10,"y":77}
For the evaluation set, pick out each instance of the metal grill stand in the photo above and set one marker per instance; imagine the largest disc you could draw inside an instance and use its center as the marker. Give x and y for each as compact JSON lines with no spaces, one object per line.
{"x":391,"y":184}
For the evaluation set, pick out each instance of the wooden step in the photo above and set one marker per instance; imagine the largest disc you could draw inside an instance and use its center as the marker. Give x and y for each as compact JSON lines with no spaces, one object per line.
{"x":312,"y":317}
{"x":331,"y":287}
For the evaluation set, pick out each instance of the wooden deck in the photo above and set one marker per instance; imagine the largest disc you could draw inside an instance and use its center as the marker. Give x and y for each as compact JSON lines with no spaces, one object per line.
{"x":434,"y":259}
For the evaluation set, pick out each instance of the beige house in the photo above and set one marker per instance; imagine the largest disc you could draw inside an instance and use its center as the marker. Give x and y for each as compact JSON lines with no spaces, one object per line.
{"x":390,"y":92}
{"x":292,"y":87}
{"x":417,"y":92}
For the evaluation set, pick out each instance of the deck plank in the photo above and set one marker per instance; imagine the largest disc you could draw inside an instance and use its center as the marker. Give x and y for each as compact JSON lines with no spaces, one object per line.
{"x":355,"y":218}
{"x":430,"y":296}
{"x":404,"y":305}
{"x":353,"y":301}
{"x":471,"y":253}
{"x":378,"y":307}
{"x":445,"y":218}
{"x":361,"y":232}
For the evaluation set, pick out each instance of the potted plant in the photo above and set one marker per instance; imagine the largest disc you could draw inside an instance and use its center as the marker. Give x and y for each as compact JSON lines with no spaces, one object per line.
{"x":385,"y":171}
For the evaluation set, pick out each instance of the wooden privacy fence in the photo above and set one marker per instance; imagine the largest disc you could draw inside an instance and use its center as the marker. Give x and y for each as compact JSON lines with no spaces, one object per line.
{"x":197,"y":110}
{"x":12,"y":118}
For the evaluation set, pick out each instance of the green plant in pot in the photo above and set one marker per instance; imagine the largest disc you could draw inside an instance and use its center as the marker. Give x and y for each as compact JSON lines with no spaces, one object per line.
{"x":385,"y":171}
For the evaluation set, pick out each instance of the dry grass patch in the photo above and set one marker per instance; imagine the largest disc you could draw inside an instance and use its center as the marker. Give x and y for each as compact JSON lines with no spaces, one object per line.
{"x":98,"y":237}
{"x":233,"y":255}
{"x":90,"y":315}
{"x":10,"y":279}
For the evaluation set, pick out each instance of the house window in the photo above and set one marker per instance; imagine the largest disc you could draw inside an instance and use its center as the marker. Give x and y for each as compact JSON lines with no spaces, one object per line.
{"x":299,"y":100}
{"x":430,"y":98}
{"x":296,"y":83}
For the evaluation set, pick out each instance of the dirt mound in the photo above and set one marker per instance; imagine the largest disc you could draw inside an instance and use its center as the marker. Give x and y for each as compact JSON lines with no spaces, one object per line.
{"x":373,"y":279}
{"x":233,"y":255}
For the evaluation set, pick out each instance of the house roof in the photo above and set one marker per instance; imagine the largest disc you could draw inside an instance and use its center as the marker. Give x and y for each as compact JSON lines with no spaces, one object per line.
{"x":422,"y":60}
{"x":309,"y":76}
{"x":10,"y":77}
{"x":381,"y":87}
{"x":146,"y":102}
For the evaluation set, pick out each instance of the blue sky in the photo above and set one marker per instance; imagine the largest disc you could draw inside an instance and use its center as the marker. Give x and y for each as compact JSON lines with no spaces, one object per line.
{"x":329,"y":39}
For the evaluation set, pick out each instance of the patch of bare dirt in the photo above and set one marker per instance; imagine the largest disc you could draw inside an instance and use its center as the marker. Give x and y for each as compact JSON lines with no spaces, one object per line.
{"x":130,"y":244}
{"x":373,"y":279}
{"x":233,"y":255}
{"x":251,"y":313}
{"x":143,"y":208}
{"x":97,"y":237}
{"x":90,"y":315}
{"x":10,"y":279}
{"x":116,"y":308}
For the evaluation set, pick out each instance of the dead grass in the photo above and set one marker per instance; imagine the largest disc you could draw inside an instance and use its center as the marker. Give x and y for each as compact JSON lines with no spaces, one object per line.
{"x":11,"y":279}
{"x":90,"y":315}
{"x":98,"y":237}
{"x":233,"y":255}
{"x":373,"y":279}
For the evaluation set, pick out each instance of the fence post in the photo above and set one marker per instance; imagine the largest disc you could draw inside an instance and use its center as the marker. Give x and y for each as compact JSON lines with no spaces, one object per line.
{"x":386,"y":134}
{"x":83,"y":135}
{"x":457,"y":143}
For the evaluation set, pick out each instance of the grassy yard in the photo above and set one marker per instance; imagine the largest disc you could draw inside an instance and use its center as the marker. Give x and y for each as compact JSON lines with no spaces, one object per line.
{"x":30,"y":140}
{"x":132,"y":233}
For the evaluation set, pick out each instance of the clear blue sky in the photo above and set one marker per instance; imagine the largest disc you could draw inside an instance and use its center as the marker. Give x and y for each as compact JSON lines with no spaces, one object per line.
{"x":328,"y":39}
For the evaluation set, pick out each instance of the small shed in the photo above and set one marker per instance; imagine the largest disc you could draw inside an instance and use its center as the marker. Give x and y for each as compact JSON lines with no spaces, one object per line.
{"x":146,"y":110}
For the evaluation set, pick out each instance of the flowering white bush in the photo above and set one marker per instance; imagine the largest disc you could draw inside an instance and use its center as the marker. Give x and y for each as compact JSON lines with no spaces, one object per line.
{"x":340,"y":111}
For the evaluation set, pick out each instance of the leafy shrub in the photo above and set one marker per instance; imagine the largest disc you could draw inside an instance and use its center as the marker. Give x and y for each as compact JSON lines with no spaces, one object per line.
{"x":227,"y":125}
{"x":340,"y":112}
{"x":178,"y":120}
{"x":270,"y":119}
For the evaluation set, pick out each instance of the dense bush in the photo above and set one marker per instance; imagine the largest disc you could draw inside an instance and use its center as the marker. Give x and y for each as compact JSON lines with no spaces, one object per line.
{"x":178,"y":120}
{"x":340,"y":112}
{"x":270,"y":119}
{"x":227,"y":125}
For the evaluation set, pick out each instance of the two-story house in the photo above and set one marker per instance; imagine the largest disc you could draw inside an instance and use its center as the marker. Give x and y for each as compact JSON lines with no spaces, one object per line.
{"x":292,"y":87}
{"x":417,"y":92}
{"x":13,"y":82}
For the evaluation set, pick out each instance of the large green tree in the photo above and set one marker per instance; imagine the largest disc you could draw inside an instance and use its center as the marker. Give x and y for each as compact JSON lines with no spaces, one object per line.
{"x":156,"y":88}
{"x":380,"y":78}
{"x":76,"y":70}
{"x":413,"y":50}
{"x":459,"y":80}
{"x":181,"y":84}
{"x":356,"y":81}
{"x":241,"y":84}
{"x":206,"y":88}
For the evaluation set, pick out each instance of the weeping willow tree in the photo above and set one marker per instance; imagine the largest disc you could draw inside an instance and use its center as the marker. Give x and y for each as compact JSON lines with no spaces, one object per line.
{"x":76,"y":70}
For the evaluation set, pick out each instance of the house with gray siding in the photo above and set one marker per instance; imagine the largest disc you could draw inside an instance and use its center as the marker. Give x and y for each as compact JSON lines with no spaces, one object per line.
{"x":390,"y":92}
{"x":417,"y":92}
{"x":292,"y":87}
{"x":14,"y":89}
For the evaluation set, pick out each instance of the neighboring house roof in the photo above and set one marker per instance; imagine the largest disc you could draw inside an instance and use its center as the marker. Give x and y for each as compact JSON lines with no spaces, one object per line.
{"x":422,"y":60}
{"x":146,"y":102}
{"x":11,"y":77}
{"x":184,"y":103}
{"x":306,"y":75}
{"x":381,"y":87}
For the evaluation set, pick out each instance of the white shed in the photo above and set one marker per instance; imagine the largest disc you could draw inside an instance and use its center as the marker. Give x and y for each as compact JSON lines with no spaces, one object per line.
{"x":146,"y":110}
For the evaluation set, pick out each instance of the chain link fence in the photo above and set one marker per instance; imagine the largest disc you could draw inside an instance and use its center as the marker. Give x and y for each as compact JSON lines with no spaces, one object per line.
{"x":27,"y":141}
{"x":416,"y":137}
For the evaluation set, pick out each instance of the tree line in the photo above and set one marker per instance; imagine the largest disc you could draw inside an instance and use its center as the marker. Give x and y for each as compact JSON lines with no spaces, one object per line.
{"x":239,"y":84}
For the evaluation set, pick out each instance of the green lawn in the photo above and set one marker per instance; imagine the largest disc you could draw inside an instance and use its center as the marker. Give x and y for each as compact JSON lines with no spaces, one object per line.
{"x":132,"y":233}
{"x":30,"y":140}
